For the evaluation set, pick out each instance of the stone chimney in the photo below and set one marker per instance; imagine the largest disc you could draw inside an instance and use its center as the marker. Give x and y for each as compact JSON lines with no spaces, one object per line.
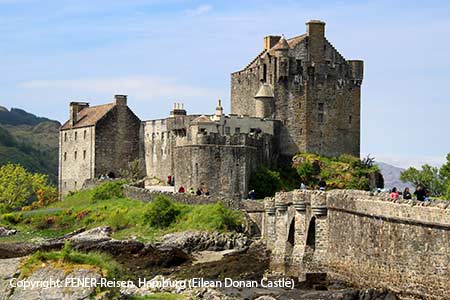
{"x":270,"y":41}
{"x":75,"y":108}
{"x":178,"y":110}
{"x":315,"y":30}
{"x":219,"y":111}
{"x":120,"y":100}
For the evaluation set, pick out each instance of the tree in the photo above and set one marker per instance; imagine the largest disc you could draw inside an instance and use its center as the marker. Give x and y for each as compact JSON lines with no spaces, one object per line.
{"x":19,"y":187}
{"x":429,"y":177}
{"x":265,"y":182}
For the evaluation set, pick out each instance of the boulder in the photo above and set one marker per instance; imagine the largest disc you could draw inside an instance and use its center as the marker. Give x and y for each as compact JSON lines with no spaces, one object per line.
{"x":193,"y":241}
{"x":5,"y":231}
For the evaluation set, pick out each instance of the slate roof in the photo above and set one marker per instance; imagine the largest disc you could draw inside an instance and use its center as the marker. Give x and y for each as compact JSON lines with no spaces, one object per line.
{"x":89,"y":116}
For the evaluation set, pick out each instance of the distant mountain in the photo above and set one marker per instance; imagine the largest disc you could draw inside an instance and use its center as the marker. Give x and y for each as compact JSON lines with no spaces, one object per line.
{"x":29,"y":140}
{"x":391,"y":175}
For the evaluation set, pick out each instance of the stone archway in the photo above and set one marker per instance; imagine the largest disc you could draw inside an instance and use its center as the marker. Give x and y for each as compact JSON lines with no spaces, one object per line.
{"x":291,"y":233}
{"x":310,"y":246}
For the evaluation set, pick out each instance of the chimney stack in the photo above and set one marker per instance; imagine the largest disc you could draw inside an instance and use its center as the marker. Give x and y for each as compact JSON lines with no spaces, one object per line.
{"x":120,"y":100}
{"x":178,"y":110}
{"x":75,"y":108}
{"x":315,"y":30}
{"x":270,"y":41}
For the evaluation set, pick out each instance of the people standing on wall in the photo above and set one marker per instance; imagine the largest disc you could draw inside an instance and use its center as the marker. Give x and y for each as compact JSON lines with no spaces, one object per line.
{"x":169,"y":179}
{"x":191,"y":191}
{"x":199,"y":192}
{"x":420,"y":193}
{"x":407,"y":194}
{"x":252,"y":195}
{"x":322,"y":185}
{"x":394,"y":194}
{"x":302,"y":186}
{"x":181,"y":189}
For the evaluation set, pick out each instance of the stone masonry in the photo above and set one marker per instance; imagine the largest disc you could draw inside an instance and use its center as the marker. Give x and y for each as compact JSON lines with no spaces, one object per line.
{"x":365,"y":239}
{"x":298,"y":94}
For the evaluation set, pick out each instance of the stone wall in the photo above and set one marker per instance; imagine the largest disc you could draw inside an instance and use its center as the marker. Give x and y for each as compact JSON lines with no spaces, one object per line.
{"x":365,"y":239}
{"x":116,"y":141}
{"x":148,"y":196}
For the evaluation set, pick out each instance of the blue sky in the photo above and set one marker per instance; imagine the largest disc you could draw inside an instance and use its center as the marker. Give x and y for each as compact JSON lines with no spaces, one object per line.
{"x":159,"y":52}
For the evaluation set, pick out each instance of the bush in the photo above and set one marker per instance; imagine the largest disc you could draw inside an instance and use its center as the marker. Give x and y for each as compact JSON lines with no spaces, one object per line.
{"x":108,"y":190}
{"x":118,"y":219}
{"x":212,"y":217}
{"x":162,"y":212}
{"x":265,"y":182}
{"x":12,"y":218}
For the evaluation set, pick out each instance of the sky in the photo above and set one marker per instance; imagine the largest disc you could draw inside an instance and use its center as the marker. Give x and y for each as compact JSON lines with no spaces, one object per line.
{"x":163,"y":51}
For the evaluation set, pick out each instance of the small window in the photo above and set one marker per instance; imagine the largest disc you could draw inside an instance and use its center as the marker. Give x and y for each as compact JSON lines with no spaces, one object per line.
{"x":162,"y":136}
{"x":75,"y":184}
{"x":300,"y":105}
{"x":84,"y":154}
{"x":75,"y":155}
{"x":320,"y":118}
{"x":237,"y":130}
{"x":65,"y":156}
{"x":84,"y":134}
{"x":301,"y":131}
{"x":321,"y":107}
{"x":65,"y":136}
{"x":227,"y":130}
{"x":65,"y":184}
{"x":349,"y":119}
{"x":76,"y":135}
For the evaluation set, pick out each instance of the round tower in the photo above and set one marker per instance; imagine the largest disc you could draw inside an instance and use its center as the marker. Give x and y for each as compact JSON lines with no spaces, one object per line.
{"x":264,"y":101}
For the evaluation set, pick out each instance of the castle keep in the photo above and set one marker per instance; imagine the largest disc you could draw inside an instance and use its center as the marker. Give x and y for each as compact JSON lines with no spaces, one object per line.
{"x":298,"y":94}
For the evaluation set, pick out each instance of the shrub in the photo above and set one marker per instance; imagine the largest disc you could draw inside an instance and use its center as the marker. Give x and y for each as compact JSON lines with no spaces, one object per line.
{"x":108,"y":190}
{"x":162,"y":212}
{"x":118,"y":219}
{"x":265,"y":182}
{"x":12,"y":218}
{"x":212,"y":217}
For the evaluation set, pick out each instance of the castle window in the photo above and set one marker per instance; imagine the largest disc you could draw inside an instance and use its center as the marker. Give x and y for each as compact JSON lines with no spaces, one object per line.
{"x":264,"y":79}
{"x":349,"y":119}
{"x":237,"y":130}
{"x":76,"y":135}
{"x":65,"y":156}
{"x":162,"y":136}
{"x":300,"y":105}
{"x":227,"y":130}
{"x":75,"y":184}
{"x":75,"y":155}
{"x":84,"y":134}
{"x":320,"y":118}
{"x":301,"y":131}
{"x":65,"y":184}
{"x":84,"y":154}
{"x":65,"y":137}
{"x":321,"y":107}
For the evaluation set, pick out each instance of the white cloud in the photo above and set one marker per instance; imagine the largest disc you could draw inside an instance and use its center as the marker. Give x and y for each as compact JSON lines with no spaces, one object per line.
{"x":199,"y":10}
{"x":137,"y":87}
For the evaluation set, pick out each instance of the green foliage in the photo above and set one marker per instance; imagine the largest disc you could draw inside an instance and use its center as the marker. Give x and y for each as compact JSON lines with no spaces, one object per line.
{"x":343,"y":172}
{"x":108,"y":190}
{"x":265,"y":182}
{"x":118,"y":219}
{"x":11,"y":218}
{"x":67,"y":256}
{"x":162,"y":212}
{"x":211,"y":217}
{"x":429,"y":177}
{"x":19,"y":187}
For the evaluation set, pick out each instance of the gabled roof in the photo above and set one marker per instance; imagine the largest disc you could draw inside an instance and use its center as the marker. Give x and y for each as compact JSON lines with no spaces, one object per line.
{"x":202,"y":119}
{"x":292,"y":43}
{"x":89,"y":116}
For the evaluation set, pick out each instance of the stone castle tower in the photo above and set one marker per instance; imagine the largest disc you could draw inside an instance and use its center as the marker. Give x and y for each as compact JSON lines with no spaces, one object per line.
{"x":305,"y":83}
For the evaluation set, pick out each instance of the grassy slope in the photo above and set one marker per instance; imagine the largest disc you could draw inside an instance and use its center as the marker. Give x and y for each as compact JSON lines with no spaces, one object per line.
{"x":125,"y":216}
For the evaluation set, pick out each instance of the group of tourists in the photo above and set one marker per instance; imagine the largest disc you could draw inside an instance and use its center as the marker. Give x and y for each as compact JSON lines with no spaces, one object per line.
{"x":420,"y":193}
{"x":201,"y":191}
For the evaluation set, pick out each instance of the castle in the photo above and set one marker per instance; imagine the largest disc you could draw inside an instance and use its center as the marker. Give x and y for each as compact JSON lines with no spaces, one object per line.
{"x":298,"y":94}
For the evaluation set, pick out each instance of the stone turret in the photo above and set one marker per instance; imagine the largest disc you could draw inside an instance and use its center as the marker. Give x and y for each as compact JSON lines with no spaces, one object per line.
{"x":264,"y":101}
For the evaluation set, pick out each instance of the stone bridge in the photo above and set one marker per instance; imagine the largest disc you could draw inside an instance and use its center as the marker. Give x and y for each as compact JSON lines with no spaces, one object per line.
{"x":365,"y":239}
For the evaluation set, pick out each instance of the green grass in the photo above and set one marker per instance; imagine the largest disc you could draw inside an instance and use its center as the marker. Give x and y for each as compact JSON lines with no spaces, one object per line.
{"x":127,"y":217}
{"x":68,"y":259}
{"x":159,"y":296}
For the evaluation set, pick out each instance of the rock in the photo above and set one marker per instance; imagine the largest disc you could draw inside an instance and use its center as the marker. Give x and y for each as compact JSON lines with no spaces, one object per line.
{"x":9,"y":268}
{"x":192,"y":241}
{"x":50,"y":274}
{"x":266,"y":298}
{"x":9,"y":250}
{"x":209,"y":294}
{"x":5,"y":231}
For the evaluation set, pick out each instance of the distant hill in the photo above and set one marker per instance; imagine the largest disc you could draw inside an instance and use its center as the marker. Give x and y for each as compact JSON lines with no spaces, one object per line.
{"x":391,"y":175}
{"x":29,"y":140}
